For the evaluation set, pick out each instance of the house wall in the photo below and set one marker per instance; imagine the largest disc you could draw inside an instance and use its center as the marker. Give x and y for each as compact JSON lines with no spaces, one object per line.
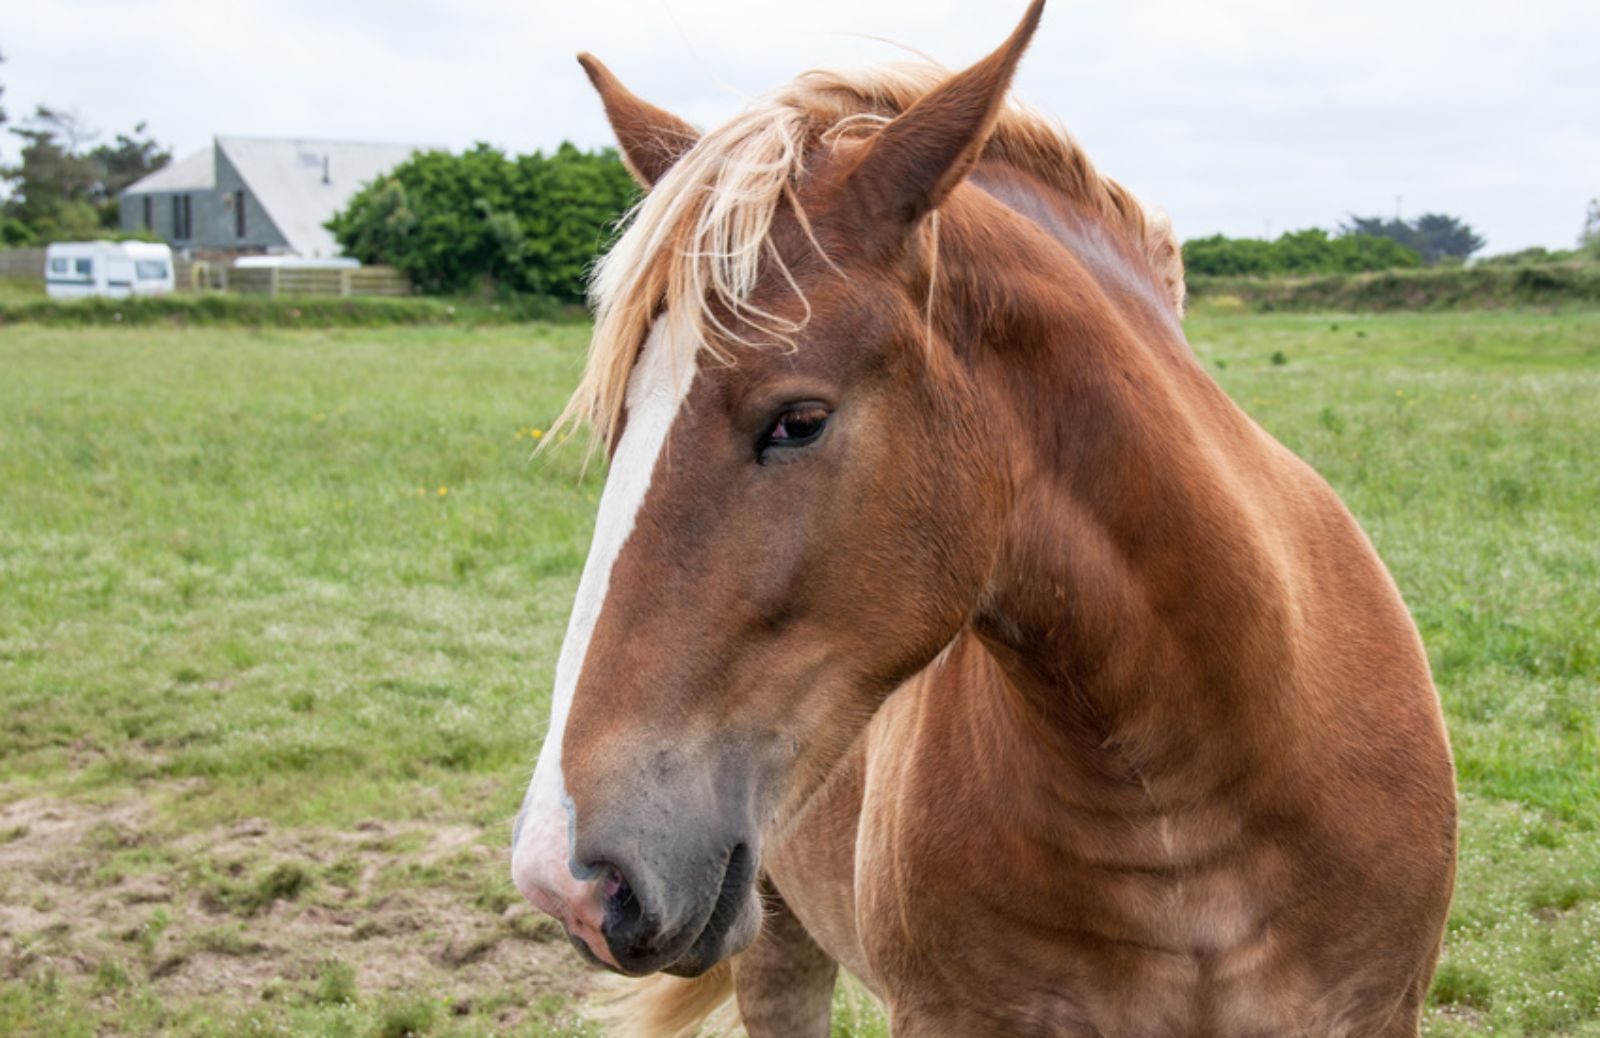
{"x":260,"y":234}
{"x":206,"y":218}
{"x":213,"y":227}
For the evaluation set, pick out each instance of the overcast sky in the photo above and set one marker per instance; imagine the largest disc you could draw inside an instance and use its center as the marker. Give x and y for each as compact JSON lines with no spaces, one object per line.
{"x":1241,"y":116}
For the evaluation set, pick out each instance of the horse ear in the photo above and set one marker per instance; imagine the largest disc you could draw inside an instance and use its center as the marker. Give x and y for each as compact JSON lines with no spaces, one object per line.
{"x":915,"y":162}
{"x":651,"y":139}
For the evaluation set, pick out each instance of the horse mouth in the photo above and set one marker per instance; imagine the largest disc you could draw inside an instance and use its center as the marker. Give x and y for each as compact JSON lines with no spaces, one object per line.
{"x":711,"y":946}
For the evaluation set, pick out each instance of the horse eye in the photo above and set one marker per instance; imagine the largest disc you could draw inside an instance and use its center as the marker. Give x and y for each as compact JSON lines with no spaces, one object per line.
{"x":795,"y":427}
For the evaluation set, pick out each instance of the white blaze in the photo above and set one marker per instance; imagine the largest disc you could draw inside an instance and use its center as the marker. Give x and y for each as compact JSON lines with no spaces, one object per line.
{"x":656,"y":391}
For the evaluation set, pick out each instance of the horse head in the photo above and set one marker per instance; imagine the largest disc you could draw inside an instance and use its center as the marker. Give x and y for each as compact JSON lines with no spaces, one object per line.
{"x":802,"y":510}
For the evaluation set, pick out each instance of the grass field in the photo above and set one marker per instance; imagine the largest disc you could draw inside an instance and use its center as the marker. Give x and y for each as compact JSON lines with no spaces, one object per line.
{"x":279,"y":610}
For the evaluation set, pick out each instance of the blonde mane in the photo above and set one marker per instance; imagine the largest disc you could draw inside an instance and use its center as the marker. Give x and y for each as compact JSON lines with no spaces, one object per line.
{"x":701,"y":235}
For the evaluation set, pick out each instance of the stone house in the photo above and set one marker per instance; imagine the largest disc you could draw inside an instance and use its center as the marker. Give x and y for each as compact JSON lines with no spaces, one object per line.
{"x":256,"y":195}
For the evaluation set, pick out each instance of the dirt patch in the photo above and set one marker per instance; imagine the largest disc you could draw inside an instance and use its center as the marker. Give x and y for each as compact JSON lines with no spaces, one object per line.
{"x":250,"y":912}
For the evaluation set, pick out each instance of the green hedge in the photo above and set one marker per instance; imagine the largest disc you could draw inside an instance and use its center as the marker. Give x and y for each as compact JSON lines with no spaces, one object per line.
{"x":282,"y":311}
{"x":523,"y":224}
{"x":1461,"y":288}
{"x":1311,"y":251}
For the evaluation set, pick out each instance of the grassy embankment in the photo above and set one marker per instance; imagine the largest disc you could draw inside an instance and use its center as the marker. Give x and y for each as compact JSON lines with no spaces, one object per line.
{"x":278,"y":616}
{"x":1484,"y":286}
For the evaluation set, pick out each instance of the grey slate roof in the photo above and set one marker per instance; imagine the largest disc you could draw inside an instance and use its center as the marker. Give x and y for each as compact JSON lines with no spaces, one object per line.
{"x":287,"y":177}
{"x":299,"y":183}
{"x":197,"y":172}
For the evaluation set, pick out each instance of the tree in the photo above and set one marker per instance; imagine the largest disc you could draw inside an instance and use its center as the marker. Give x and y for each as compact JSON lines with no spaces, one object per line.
{"x":1397,"y":231}
{"x":530,"y":224}
{"x":61,"y":188}
{"x":1440,"y":236}
{"x":12,"y":230}
{"x":129,"y":158}
{"x":49,"y":183}
{"x":1589,"y":240}
{"x":1433,"y":236}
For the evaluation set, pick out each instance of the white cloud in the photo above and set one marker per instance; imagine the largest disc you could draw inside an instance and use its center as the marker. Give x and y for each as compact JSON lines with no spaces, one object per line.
{"x":1234,"y":115}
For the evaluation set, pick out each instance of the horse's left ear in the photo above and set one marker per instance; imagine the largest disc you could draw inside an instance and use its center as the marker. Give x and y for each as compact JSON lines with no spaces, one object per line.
{"x":915,"y":162}
{"x":651,"y":138}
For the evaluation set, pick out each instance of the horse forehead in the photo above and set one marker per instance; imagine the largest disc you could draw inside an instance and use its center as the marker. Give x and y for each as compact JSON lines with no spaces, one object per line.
{"x":665,"y":365}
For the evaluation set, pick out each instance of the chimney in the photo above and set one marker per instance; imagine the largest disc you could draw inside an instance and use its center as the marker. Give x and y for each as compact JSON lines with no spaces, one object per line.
{"x":325,"y":178}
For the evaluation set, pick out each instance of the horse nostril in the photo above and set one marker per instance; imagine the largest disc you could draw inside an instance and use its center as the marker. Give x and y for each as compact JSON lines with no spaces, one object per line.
{"x":627,"y":930}
{"x":612,"y":885}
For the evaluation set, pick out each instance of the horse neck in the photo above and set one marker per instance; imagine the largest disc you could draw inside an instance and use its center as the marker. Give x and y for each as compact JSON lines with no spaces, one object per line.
{"x":1139,"y":599}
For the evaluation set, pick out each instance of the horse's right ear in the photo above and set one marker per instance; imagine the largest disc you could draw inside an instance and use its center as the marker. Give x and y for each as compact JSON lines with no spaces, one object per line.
{"x":651,"y":139}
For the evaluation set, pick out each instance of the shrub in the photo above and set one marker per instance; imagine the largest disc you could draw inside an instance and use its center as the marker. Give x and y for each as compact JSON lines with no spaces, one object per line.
{"x":406,"y":1018}
{"x":525,"y":224}
{"x":1311,"y":251}
{"x":336,"y":984}
{"x":1533,"y":256}
{"x":15,"y":232}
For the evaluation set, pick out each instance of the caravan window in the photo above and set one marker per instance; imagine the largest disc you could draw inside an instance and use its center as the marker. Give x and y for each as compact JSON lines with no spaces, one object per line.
{"x":150,"y":270}
{"x":59,"y":265}
{"x":84,"y":268}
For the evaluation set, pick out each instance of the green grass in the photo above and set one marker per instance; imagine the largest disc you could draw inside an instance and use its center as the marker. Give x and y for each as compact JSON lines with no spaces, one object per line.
{"x":21,"y":290}
{"x":315,"y":579}
{"x":1466,"y":445}
{"x":281,"y":563}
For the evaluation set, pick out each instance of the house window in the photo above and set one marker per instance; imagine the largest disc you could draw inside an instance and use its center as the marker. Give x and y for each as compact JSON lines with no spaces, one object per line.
{"x":60,"y":265}
{"x":84,"y":268}
{"x":238,"y":213}
{"x":149,"y":214}
{"x":182,"y":217}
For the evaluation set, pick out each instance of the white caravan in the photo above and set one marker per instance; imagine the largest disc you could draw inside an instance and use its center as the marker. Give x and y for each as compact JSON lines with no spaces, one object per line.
{"x":73,"y":269}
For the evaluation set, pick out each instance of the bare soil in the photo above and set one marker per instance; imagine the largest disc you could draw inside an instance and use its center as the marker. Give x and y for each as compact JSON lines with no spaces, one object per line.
{"x":248,"y":912}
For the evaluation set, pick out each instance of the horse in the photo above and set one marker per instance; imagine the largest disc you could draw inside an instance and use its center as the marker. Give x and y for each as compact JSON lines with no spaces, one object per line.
{"x":945,"y":623}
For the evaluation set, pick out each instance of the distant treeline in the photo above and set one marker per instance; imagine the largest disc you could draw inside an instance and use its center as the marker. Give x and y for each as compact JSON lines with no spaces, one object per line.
{"x":1367,"y":244}
{"x":483,"y":220}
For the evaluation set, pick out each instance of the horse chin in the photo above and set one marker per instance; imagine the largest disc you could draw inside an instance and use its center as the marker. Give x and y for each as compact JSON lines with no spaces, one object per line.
{"x":717,"y":943}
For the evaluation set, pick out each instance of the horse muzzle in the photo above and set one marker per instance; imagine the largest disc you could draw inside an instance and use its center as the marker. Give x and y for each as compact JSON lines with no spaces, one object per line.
{"x":639,"y":896}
